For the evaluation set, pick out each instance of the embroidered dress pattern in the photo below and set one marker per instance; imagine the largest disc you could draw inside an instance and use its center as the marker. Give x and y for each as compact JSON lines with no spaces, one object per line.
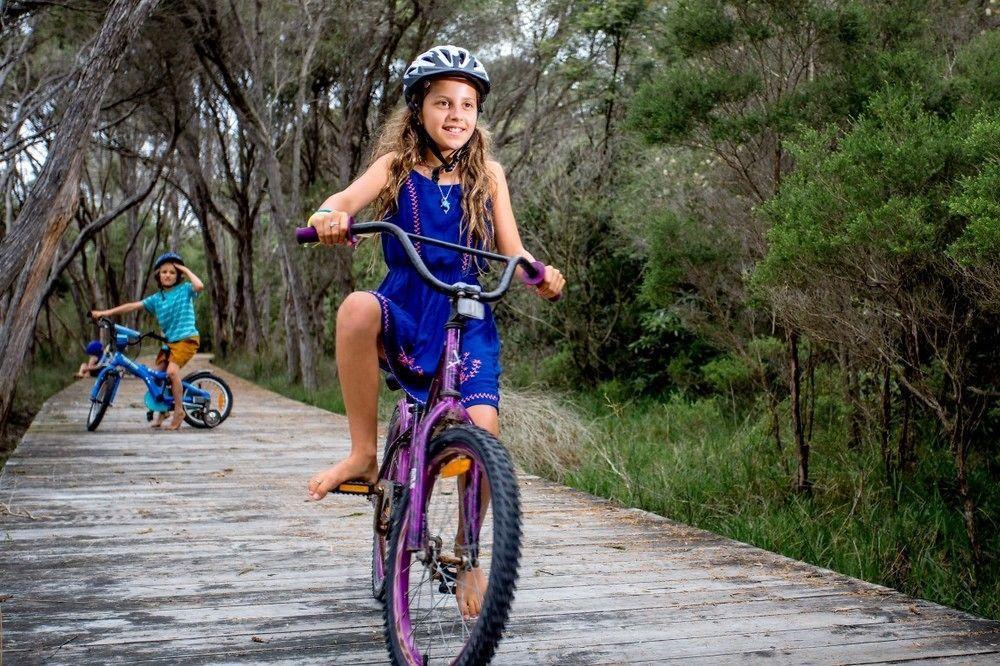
{"x":410,"y":363}
{"x":468,"y":370}
{"x":413,"y":314}
{"x":411,"y":190}
{"x":480,"y":399}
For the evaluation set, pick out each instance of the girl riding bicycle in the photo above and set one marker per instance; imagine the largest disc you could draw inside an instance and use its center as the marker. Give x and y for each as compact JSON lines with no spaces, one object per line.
{"x":173,"y":307}
{"x":432,"y":175}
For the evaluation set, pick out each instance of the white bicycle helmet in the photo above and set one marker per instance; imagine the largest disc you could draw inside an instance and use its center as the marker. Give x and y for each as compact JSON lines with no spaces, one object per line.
{"x":440,"y":61}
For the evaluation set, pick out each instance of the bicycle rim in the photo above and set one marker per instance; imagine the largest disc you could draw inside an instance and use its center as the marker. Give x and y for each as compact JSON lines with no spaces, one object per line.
{"x":424,"y":623}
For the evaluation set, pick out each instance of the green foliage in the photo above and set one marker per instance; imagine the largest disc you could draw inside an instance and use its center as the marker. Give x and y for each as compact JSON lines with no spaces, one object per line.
{"x":692,"y":462}
{"x":977,"y":78}
{"x":667,"y":109}
{"x":699,"y":25}
{"x":727,"y":373}
{"x":976,"y":200}
{"x":613,"y":17}
{"x":878,"y":194}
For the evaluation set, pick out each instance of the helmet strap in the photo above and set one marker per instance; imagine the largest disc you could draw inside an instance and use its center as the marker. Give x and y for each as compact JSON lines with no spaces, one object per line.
{"x":447,"y":165}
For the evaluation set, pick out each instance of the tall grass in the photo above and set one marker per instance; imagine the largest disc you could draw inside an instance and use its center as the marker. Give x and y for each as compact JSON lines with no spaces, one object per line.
{"x":46,"y":375}
{"x":271,"y":373}
{"x":691,"y":461}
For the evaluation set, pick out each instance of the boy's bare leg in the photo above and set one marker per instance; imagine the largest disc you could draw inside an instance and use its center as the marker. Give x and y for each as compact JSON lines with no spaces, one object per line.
{"x":470,"y":585}
{"x":358,"y":326}
{"x":174,"y":377}
{"x":159,"y":416}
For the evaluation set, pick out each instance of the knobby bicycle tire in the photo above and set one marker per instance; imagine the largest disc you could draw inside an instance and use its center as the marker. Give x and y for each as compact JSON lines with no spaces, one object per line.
{"x":485,"y":635}
{"x":380,"y":542}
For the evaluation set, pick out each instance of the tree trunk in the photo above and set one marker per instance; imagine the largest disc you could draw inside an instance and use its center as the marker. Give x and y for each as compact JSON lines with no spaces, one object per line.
{"x":802,"y":483}
{"x":852,"y":398}
{"x":30,"y":248}
{"x":886,"y":420}
{"x":53,"y":198}
{"x":905,"y":451}
{"x":291,"y":341}
{"x":960,"y":450}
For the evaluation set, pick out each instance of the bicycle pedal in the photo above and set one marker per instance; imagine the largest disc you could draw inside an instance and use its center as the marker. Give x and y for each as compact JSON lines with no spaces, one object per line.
{"x":355,"y":488}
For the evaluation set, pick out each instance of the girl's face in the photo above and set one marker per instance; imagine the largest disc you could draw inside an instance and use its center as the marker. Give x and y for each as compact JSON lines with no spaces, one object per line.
{"x":449,"y":112}
{"x":168,"y":275}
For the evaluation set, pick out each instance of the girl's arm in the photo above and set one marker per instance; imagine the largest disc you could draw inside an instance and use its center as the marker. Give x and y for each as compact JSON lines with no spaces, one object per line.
{"x":509,"y":240}
{"x":332,"y":227}
{"x":196,"y":282}
{"x":125,"y":308}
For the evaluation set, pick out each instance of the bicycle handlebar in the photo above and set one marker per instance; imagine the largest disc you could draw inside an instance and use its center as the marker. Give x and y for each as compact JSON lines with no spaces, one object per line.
{"x":104,"y":322}
{"x":534,"y":271}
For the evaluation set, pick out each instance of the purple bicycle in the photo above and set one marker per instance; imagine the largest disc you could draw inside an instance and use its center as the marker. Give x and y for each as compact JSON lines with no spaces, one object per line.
{"x":446,"y":502}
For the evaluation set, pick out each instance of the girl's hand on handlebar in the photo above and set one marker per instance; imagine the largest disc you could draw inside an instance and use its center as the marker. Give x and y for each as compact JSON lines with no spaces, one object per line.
{"x":97,"y":314}
{"x":552,"y":284}
{"x":331,"y":226}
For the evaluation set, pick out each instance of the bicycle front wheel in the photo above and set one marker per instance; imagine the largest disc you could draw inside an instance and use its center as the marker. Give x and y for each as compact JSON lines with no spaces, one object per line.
{"x":100,"y":404}
{"x":448,"y":602}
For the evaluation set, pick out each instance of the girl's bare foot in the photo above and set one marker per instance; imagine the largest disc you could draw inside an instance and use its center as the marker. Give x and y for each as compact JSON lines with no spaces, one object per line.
{"x":157,"y":420}
{"x":470,"y":587}
{"x":351,"y":468}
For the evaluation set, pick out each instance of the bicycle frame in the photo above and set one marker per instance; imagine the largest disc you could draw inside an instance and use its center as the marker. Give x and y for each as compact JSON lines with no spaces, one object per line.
{"x":444,"y":400}
{"x":443,"y":405}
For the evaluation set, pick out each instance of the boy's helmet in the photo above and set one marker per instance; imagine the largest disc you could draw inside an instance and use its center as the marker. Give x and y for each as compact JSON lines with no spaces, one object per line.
{"x":167,"y":257}
{"x":95,"y":348}
{"x":440,"y":61}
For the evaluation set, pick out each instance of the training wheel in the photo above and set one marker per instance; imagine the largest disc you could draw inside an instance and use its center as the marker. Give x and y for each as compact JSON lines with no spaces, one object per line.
{"x":211,"y":418}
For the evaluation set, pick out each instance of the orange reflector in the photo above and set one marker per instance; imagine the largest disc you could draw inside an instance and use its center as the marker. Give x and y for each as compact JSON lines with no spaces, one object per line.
{"x":361,"y":489}
{"x":456,"y":467}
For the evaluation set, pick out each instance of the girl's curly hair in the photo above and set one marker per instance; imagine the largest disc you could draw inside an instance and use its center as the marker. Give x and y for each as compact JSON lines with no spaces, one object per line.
{"x":401,"y":135}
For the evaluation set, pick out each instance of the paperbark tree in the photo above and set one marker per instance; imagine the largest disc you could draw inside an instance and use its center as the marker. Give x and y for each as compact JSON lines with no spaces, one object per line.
{"x":28,"y":251}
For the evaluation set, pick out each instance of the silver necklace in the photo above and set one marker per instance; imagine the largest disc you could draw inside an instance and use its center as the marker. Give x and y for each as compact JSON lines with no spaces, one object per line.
{"x":445,"y":204}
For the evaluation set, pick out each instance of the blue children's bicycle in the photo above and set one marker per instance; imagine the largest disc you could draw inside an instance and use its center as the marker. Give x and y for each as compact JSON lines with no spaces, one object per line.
{"x":207,"y":398}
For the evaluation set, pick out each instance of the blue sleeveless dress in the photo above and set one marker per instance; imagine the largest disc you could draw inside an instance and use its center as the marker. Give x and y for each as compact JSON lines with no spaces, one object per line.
{"x":414,"y":315}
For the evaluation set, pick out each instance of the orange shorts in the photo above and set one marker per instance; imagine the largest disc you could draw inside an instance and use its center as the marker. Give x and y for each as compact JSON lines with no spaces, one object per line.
{"x":179,"y":352}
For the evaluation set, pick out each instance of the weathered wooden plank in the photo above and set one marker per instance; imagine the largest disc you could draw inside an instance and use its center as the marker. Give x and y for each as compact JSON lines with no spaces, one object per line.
{"x":130,"y":545}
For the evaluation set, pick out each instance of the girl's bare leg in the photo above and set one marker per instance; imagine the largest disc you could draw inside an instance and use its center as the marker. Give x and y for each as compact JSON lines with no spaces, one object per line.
{"x":358,"y":324}
{"x":470,"y":586}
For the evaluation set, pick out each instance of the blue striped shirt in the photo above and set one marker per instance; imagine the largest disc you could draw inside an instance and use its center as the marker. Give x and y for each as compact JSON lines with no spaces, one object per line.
{"x":174,"y":310}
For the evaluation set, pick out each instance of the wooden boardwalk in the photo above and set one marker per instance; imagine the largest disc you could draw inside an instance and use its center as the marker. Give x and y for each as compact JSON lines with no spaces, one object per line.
{"x":128,"y":546}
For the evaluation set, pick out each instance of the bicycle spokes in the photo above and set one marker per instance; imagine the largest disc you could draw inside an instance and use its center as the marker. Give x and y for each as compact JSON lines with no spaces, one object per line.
{"x":446,"y":583}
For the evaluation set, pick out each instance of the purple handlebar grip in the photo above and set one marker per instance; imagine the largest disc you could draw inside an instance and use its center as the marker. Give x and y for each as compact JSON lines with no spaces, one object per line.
{"x":539,"y":276}
{"x":310,"y":235}
{"x":306,"y":235}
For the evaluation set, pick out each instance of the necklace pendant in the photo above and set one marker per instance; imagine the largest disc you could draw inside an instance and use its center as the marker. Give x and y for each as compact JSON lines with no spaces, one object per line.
{"x":445,"y":205}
